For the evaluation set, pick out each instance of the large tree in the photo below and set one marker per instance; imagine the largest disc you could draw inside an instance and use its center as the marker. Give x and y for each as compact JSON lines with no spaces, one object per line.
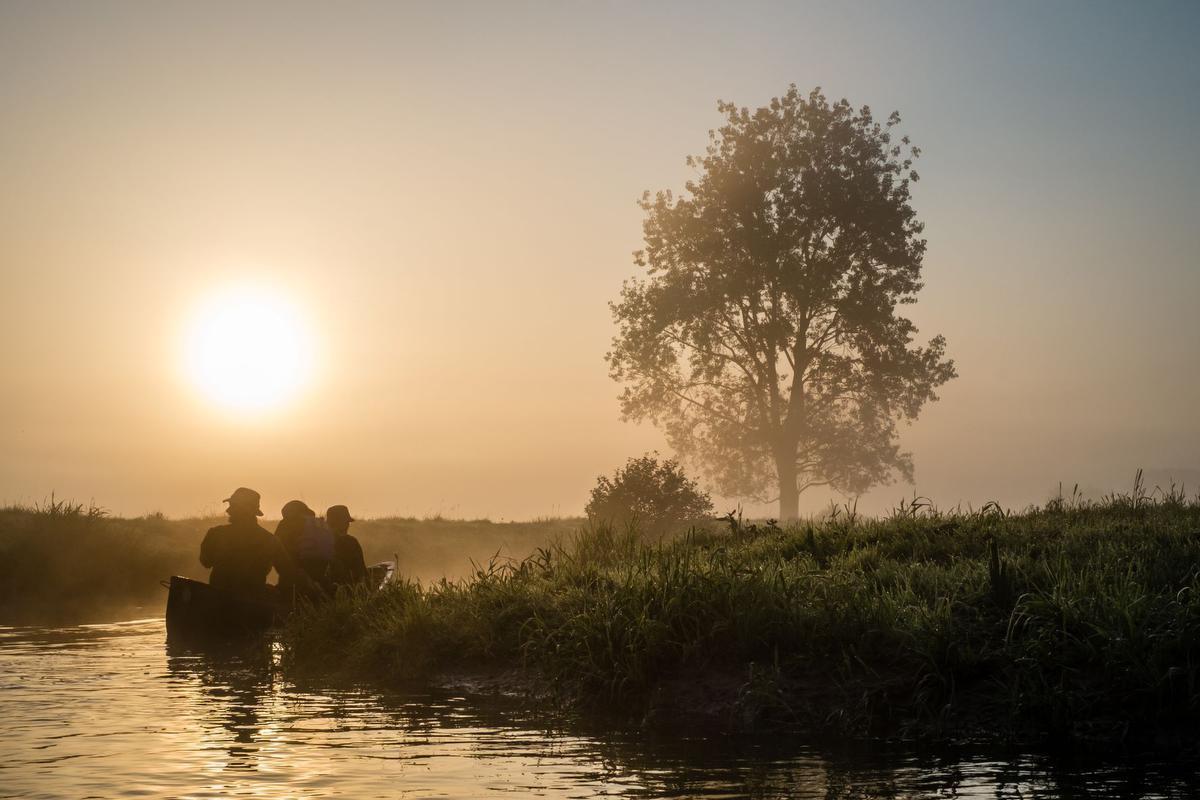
{"x":764,"y":337}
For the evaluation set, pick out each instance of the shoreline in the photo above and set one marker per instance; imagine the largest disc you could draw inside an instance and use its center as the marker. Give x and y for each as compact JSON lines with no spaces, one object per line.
{"x":714,"y":705}
{"x":1064,"y":624}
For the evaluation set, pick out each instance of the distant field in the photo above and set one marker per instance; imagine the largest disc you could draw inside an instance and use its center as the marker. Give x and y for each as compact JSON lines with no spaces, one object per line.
{"x":63,"y":565}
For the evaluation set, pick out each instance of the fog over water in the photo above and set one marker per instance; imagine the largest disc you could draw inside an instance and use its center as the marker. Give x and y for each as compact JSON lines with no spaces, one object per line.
{"x":444,"y":194}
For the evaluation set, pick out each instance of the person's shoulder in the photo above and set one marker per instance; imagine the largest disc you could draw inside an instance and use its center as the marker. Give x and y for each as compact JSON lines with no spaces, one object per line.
{"x":218,"y":530}
{"x":260,"y":531}
{"x":261,"y":537}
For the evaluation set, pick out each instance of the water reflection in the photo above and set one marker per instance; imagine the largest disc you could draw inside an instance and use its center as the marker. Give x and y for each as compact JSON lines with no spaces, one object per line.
{"x":236,"y":679}
{"x":98,"y":711}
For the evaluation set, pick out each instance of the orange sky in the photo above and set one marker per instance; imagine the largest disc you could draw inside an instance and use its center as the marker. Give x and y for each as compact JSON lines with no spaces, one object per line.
{"x":446,"y":194}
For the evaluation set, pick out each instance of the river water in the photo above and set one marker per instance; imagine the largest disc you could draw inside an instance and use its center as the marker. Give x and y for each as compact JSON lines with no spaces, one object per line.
{"x":104,"y":711}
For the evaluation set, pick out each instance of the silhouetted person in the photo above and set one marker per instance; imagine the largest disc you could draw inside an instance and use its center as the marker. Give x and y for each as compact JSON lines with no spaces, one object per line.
{"x":241,"y":554}
{"x":349,"y":567}
{"x":308,"y":541}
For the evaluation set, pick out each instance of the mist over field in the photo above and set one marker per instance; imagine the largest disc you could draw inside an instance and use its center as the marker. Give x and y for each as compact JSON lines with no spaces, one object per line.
{"x":70,"y":567}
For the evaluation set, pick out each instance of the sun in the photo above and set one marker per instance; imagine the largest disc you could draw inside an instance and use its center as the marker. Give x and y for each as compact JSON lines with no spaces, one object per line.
{"x":247,"y":349}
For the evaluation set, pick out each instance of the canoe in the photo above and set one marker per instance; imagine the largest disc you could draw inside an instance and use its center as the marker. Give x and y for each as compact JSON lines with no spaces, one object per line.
{"x":381,"y":574}
{"x":196,"y":610}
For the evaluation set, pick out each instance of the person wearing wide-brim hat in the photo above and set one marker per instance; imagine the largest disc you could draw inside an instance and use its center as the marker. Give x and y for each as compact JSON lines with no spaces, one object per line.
{"x":244,"y":500}
{"x":242,"y":554}
{"x":349,"y":566}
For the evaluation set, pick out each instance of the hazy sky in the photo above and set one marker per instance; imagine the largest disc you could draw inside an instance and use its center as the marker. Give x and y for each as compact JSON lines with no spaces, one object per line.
{"x":446,"y":195}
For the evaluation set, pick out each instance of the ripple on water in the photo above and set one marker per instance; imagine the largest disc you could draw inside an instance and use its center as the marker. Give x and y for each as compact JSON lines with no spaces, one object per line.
{"x":109,"y":711}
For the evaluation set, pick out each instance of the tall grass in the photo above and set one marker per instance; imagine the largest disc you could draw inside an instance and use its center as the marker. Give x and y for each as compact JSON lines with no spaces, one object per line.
{"x":1076,"y":619}
{"x":62,"y":562}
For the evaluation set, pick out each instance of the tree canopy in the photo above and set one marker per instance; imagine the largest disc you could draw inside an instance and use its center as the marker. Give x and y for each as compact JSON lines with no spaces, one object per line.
{"x":653,"y":494}
{"x":764,"y":336}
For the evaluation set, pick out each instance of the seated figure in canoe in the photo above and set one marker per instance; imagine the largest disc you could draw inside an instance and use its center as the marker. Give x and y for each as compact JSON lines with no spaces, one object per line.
{"x":237,"y":598}
{"x":242,"y":553}
{"x":349,"y":568}
{"x":309,"y":543}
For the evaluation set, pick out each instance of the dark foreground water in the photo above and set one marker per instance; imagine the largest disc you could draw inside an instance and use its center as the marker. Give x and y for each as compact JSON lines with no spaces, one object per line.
{"x":109,"y":711}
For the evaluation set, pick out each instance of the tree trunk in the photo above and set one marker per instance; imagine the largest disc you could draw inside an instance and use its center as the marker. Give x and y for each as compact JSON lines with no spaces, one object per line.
{"x":789,"y":494}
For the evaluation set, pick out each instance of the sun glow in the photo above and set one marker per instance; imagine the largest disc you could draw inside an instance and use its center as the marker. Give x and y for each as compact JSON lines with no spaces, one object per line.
{"x":248,"y":350}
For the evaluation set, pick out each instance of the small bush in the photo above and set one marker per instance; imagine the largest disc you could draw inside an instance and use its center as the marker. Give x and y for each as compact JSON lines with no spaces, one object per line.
{"x":654,"y":494}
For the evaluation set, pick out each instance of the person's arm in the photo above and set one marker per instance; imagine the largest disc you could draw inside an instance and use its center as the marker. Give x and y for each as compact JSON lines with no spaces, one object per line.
{"x":208,"y":548}
{"x":358,"y":564}
{"x":282,"y":561}
{"x":286,"y":566}
{"x":281,"y":534}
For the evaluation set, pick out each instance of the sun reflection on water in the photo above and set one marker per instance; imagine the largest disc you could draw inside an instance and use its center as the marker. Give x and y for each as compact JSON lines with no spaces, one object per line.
{"x":99,"y":711}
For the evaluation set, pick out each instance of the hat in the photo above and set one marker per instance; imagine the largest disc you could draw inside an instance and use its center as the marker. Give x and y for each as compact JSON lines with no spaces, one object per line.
{"x":245,"y":498}
{"x":338,"y":512}
{"x":296,"y":508}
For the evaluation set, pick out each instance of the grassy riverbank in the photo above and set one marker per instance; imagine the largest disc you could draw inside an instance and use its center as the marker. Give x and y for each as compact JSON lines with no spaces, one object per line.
{"x":1075,"y":620}
{"x":63,"y":563}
